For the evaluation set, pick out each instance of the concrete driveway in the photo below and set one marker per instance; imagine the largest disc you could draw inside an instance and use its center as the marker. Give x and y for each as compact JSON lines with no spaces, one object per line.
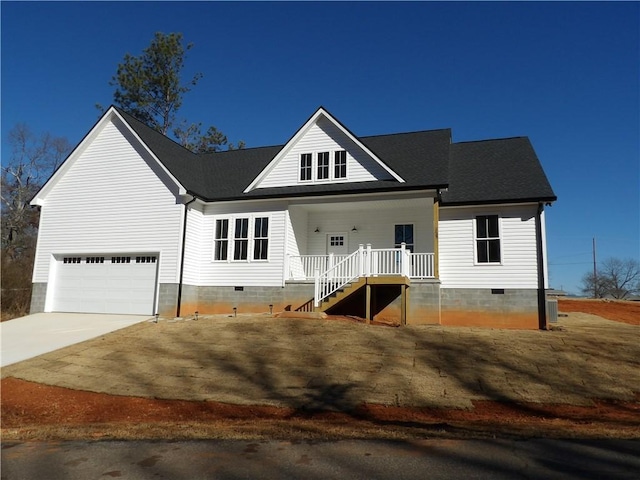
{"x":33,"y":335}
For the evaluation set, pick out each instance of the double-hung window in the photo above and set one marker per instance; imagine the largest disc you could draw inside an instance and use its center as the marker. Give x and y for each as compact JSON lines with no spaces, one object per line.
{"x":323,"y":165}
{"x":241,"y":239}
{"x":306,"y":167}
{"x":487,"y":239}
{"x":236,"y":238}
{"x":340,"y":164}
{"x":221,"y":242}
{"x":261,"y":238}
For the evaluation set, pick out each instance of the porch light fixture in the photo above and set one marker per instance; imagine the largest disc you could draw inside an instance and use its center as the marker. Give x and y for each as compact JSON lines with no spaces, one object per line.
{"x":317,"y":230}
{"x":354,"y":229}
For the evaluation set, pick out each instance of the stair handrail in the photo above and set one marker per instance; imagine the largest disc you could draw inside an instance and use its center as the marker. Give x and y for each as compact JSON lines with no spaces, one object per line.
{"x":339,"y":275}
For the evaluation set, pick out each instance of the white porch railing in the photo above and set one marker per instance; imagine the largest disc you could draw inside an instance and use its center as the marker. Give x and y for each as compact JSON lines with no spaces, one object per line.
{"x":332,"y":272}
{"x":303,"y":267}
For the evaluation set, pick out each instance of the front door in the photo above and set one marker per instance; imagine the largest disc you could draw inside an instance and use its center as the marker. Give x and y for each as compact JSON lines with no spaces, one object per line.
{"x":337,"y":244}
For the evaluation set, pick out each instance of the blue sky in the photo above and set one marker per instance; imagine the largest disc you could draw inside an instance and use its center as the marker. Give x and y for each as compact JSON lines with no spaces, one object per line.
{"x":565,"y":74}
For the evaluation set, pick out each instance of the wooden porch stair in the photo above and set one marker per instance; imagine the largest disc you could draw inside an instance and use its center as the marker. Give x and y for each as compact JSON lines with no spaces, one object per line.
{"x":363,"y":296}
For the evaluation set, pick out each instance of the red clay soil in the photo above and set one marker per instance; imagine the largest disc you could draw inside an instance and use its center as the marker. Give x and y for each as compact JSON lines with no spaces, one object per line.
{"x":618,"y":310}
{"x":26,"y":405}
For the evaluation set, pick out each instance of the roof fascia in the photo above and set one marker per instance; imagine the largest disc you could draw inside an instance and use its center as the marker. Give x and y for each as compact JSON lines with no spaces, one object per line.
{"x":110,"y":114}
{"x":499,"y":203}
{"x":302,"y":131}
{"x":320,"y":198}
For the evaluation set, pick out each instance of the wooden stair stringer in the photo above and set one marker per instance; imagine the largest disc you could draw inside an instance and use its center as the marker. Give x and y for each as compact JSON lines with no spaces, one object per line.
{"x":341,"y":294}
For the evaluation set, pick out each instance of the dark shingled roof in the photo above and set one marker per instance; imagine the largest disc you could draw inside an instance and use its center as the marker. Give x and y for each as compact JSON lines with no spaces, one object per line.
{"x":495,"y":171}
{"x":491,"y":171}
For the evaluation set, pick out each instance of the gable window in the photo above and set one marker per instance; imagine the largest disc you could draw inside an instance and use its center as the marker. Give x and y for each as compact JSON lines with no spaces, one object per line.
{"x":306,"y":167}
{"x":221,"y":242}
{"x":241,"y":239}
{"x":261,"y":238}
{"x":404,"y":234}
{"x":487,"y":239}
{"x":323,"y":165}
{"x":340,"y":164}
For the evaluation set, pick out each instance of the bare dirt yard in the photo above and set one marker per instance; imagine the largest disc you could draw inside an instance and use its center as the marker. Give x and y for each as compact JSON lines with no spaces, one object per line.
{"x":618,"y":310}
{"x":44,"y":410}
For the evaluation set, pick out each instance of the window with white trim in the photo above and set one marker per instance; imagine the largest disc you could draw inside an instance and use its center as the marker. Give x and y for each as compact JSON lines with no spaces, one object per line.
{"x":487,"y":239}
{"x":404,"y":234}
{"x":323,"y":165}
{"x":261,"y":238}
{"x":221,"y":241}
{"x":340,"y":164}
{"x":306,"y":167}
{"x":241,"y":239}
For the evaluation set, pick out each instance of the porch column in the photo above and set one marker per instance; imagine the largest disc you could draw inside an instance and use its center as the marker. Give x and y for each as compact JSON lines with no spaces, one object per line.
{"x":368,"y":302}
{"x":436,"y":221}
{"x":403,"y":304}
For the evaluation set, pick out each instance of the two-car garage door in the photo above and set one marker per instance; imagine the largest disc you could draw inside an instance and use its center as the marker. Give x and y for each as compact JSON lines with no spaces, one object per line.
{"x":120,"y":283}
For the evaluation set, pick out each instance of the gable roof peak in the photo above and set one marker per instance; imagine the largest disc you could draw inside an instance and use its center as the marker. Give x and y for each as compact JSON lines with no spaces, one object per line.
{"x":312,"y":120}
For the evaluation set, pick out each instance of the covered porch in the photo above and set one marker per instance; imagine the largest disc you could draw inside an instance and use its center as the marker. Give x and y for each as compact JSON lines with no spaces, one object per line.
{"x":346,"y":248}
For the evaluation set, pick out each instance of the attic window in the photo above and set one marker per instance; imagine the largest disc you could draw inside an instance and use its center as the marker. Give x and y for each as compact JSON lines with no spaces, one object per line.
{"x":340,"y":164}
{"x":306,"y":167}
{"x":323,"y":165}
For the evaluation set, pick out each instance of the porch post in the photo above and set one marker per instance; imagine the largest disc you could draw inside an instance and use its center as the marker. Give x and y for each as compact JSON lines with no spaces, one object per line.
{"x":403,"y":304}
{"x":361,"y":260}
{"x":316,"y":290}
{"x":436,"y":222}
{"x":287,"y":269}
{"x":368,"y":302}
{"x":367,"y":270}
{"x":404,"y":263}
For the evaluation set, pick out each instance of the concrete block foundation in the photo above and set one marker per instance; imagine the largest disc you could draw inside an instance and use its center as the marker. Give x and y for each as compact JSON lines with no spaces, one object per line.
{"x":487,"y":307}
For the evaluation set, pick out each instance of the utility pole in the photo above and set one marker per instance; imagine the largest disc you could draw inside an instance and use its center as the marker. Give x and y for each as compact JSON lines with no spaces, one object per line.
{"x":595,"y":271}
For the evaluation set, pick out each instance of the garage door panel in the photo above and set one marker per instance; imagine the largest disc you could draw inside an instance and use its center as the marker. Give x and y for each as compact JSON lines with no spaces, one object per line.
{"x":106,"y":284}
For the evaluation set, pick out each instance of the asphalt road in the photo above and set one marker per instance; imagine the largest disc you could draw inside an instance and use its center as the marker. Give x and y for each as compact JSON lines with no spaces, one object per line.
{"x":353,"y":459}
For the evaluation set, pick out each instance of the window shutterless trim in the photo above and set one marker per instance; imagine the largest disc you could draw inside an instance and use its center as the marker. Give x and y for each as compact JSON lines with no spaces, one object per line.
{"x":323,"y":166}
{"x":487,"y":239}
{"x":221,"y":240}
{"x":305,"y":167}
{"x":248,"y":241}
{"x":340,"y":164}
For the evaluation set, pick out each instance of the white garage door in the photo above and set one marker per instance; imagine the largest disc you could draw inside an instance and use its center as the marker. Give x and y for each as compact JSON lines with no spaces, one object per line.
{"x":106,"y":284}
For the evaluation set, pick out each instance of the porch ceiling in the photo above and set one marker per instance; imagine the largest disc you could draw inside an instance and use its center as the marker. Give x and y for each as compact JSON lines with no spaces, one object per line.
{"x":374,"y":204}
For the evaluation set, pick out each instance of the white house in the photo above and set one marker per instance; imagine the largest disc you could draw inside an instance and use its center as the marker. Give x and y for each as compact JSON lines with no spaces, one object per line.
{"x":407,"y":227}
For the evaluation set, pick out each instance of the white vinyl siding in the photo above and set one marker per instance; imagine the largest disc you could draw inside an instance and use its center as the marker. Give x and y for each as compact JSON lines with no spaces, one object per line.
{"x":458,"y":265}
{"x":194,"y":245}
{"x":380,"y":233}
{"x":249,"y":271}
{"x":324,"y":136}
{"x":113,"y":200}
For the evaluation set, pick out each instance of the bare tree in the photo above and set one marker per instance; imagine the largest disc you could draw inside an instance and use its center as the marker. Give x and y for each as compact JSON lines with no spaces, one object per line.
{"x":622,"y":276}
{"x":32,"y":160}
{"x":616,"y":278}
